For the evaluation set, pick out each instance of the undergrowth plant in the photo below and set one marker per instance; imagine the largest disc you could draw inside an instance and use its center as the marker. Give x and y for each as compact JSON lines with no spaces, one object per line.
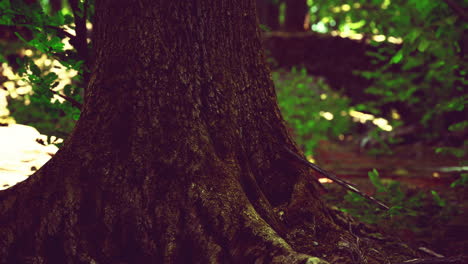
{"x":424,"y":71}
{"x":460,"y":154}
{"x":410,"y":210}
{"x":312,"y":110}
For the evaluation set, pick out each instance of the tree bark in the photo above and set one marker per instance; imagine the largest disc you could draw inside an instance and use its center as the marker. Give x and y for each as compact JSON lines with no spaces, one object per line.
{"x":178,"y":155}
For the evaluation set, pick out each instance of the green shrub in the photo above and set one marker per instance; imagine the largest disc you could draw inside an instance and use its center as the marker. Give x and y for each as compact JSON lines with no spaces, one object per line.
{"x":313,"y":111}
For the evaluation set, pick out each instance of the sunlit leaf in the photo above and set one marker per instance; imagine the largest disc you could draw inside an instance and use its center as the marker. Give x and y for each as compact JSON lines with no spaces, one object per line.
{"x":397,"y":57}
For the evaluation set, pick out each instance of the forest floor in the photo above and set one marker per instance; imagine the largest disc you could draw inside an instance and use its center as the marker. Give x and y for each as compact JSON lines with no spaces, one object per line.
{"x":414,"y":181}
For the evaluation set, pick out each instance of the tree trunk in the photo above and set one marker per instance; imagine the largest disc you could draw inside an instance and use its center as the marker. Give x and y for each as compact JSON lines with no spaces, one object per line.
{"x":178,"y":155}
{"x":296,"y":11}
{"x":268,"y":13}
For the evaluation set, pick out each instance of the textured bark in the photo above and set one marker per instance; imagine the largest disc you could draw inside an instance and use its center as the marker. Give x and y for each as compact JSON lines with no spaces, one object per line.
{"x":177,"y":157}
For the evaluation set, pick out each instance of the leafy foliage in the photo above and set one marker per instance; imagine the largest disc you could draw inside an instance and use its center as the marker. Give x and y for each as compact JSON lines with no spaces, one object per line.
{"x":425,"y":71}
{"x":410,"y":210}
{"x":52,"y":105}
{"x":311,"y":108}
{"x":462,"y":181}
{"x":460,"y":155}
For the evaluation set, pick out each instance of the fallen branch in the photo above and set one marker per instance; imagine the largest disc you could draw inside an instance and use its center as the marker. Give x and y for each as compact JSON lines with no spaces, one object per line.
{"x":62,"y":31}
{"x":335,"y":178}
{"x":444,"y":260}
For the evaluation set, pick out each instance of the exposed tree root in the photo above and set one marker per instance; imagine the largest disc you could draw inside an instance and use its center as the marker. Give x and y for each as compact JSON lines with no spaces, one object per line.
{"x":79,"y":224}
{"x":68,"y":220}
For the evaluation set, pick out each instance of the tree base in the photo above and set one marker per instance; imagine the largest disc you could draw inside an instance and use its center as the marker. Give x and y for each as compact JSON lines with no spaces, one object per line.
{"x":53,"y":219}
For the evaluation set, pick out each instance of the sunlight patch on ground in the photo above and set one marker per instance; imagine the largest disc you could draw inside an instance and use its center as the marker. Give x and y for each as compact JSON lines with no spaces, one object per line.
{"x":311,"y":159}
{"x":21,"y":154}
{"x":325,"y":180}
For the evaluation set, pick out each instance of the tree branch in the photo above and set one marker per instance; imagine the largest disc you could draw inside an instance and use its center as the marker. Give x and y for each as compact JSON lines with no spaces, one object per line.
{"x":445,"y":260}
{"x":335,"y":178}
{"x":62,"y":31}
{"x":80,"y":28}
{"x":81,"y":43}
{"x":72,"y":101}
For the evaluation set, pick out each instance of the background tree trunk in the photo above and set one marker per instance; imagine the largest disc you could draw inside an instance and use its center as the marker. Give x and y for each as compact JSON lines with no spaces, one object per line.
{"x":268,"y":13}
{"x":296,"y":11}
{"x":178,"y":155}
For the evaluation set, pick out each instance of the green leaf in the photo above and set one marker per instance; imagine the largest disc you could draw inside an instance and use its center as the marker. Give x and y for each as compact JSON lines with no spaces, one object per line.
{"x":5,"y":4}
{"x":56,"y":44}
{"x":34,"y":68}
{"x":458,"y":126}
{"x":412,"y":62}
{"x":68,"y":19}
{"x":76,"y":116}
{"x":376,"y":55}
{"x":424,"y":7}
{"x":423,"y":45}
{"x":413,"y":35}
{"x":463,"y":181}
{"x":397,"y":57}
{"x":265,"y":28}
{"x":457,"y":152}
{"x":439,"y":201}
{"x":395,"y":210}
{"x":50,"y":77}
{"x":439,"y":31}
{"x":375,"y":179}
{"x":20,"y":37}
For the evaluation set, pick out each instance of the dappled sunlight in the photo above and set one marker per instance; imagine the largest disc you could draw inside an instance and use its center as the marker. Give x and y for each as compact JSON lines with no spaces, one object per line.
{"x":342,"y":21}
{"x":18,"y":86}
{"x":21,"y":154}
{"x":360,"y":117}
{"x":326,"y":115}
{"x":382,"y":124}
{"x":3,"y":104}
{"x":325,"y":180}
{"x":363,"y":118}
{"x":358,"y":36}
